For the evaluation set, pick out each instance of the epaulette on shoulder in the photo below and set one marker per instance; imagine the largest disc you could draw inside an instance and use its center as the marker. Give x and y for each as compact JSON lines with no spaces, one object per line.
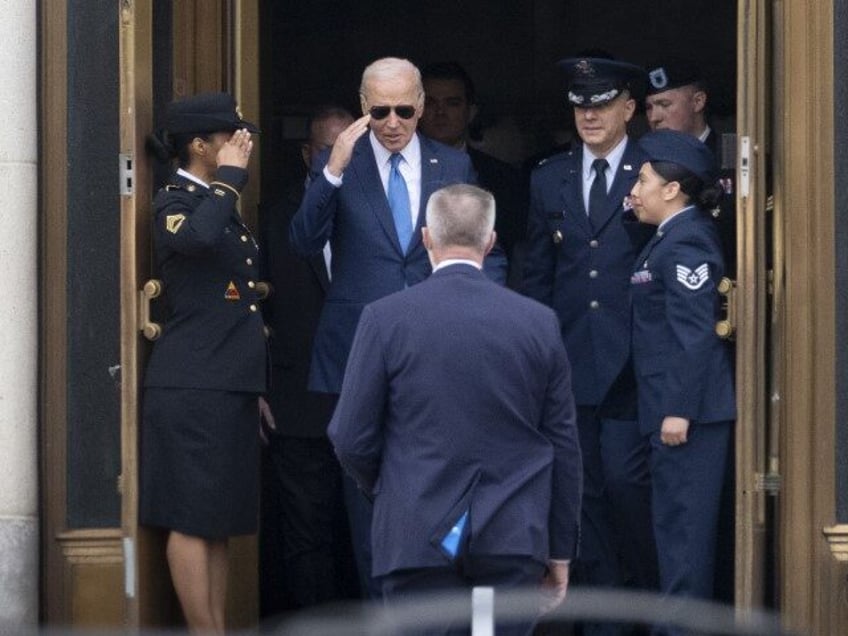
{"x":560,"y":156}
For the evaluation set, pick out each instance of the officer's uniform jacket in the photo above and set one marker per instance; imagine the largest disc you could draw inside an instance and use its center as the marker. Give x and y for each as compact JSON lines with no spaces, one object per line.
{"x":584,"y":272}
{"x":682,"y":367}
{"x":214,"y":334}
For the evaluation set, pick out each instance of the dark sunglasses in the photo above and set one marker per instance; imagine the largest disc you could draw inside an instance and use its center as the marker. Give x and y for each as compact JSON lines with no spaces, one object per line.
{"x":381,"y":112}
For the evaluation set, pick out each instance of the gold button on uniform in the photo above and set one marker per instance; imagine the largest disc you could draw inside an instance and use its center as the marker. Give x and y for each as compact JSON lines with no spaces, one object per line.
{"x":251,"y":284}
{"x":594,"y":304}
{"x":244,"y":238}
{"x":249,"y":261}
{"x":253,"y":308}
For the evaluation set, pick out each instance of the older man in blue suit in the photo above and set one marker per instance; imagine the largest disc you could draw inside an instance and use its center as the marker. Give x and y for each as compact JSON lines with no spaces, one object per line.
{"x":473,"y":462}
{"x":579,"y":258}
{"x":367,"y":198}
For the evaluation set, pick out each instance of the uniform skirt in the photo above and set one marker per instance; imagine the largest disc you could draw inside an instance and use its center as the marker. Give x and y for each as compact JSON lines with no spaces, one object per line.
{"x":200,"y":462}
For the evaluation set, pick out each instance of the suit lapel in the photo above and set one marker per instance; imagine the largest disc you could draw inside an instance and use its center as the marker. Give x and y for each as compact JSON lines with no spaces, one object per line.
{"x":431,"y":179}
{"x":364,"y":165}
{"x":571,"y":192}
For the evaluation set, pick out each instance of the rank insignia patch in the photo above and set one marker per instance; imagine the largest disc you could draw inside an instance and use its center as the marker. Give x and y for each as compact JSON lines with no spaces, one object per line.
{"x":173,"y":222}
{"x":232,"y":292}
{"x":693,"y":279}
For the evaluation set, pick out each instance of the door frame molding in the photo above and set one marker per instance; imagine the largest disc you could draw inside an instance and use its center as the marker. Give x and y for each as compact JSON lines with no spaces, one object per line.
{"x":811,"y":576}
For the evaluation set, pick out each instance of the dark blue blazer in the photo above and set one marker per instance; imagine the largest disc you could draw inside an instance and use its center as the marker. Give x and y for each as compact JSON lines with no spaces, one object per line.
{"x":367,"y":261}
{"x":213,"y":337}
{"x":682,"y":367}
{"x":584,"y":272}
{"x":457,"y":397}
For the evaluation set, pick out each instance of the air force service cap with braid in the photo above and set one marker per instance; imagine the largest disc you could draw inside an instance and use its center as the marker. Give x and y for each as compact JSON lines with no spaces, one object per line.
{"x":595,"y":81}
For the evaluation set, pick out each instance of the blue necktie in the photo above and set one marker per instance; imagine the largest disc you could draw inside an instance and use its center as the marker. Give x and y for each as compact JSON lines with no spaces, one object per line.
{"x":598,"y":193}
{"x":399,"y":203}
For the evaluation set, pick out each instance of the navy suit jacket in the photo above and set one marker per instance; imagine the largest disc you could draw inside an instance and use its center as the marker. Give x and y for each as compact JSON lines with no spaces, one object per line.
{"x":584,"y":272}
{"x":457,"y":398}
{"x":682,"y":367}
{"x":367,"y":261}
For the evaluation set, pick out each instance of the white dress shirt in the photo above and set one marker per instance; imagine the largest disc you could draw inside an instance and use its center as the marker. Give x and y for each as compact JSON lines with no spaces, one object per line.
{"x":613,"y":159}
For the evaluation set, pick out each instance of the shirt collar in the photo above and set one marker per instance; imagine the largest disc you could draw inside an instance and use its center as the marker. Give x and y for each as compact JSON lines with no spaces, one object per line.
{"x":678,"y":213}
{"x":456,"y":261}
{"x":613,"y":158}
{"x":187,"y":175}
{"x":703,"y":136}
{"x":411,"y":153}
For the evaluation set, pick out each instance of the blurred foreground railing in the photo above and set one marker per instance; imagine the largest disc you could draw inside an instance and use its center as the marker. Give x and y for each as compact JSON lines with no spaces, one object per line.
{"x":456,"y":608}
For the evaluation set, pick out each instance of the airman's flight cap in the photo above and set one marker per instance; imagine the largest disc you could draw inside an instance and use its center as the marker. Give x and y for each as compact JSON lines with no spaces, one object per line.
{"x":683,"y":149}
{"x":594,"y":81}
{"x":206,"y":113}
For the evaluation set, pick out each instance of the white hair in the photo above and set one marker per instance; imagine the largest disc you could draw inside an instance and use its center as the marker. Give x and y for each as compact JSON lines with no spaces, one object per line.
{"x":389,"y":68}
{"x":461,"y":215}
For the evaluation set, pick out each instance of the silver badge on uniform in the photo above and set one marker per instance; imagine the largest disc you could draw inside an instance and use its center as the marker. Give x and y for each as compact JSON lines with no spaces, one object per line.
{"x":693,"y":279}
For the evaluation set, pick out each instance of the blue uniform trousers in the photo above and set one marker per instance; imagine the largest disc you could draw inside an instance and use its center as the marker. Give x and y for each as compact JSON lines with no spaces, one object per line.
{"x":687,"y":486}
{"x":616,"y":536}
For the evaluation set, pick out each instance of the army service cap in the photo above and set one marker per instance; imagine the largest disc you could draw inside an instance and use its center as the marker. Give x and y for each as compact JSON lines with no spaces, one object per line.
{"x":594,"y":81}
{"x":206,"y":113}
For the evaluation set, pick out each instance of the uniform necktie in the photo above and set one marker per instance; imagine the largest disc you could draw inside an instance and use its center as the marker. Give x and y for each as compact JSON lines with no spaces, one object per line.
{"x":598,"y":193}
{"x":399,"y":203}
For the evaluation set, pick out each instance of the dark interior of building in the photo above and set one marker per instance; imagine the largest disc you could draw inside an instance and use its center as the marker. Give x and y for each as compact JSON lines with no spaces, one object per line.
{"x":313,"y":54}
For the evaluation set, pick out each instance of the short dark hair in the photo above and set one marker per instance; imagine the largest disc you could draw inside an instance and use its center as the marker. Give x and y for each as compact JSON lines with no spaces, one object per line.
{"x":324,"y":112}
{"x":450,"y":71}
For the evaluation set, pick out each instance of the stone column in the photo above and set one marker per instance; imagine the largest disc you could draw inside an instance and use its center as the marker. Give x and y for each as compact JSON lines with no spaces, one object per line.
{"x":18,"y":318}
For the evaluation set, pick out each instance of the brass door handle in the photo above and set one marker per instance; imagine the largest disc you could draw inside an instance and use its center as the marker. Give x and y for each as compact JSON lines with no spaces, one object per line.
{"x":263,"y":290}
{"x":726,"y":329}
{"x":152,"y":289}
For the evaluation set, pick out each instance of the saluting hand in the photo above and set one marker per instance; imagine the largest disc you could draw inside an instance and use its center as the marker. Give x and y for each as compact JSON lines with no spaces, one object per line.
{"x":674,"y":430}
{"x":236,"y":150}
{"x":343,"y":146}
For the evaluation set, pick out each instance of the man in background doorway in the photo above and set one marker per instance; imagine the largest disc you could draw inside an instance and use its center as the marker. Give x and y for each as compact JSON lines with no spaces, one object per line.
{"x":450,"y":108}
{"x":306,"y":556}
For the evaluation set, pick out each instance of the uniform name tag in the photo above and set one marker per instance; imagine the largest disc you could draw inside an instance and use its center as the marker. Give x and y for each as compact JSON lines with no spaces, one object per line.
{"x":642,"y":276}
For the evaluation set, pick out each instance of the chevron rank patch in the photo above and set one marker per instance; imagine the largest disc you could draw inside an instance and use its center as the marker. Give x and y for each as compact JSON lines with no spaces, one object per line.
{"x":693,"y":279}
{"x":232,"y":292}
{"x":173,"y":222}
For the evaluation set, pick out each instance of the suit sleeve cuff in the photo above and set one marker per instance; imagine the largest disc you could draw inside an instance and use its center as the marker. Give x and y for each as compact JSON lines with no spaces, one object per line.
{"x":333,"y":179}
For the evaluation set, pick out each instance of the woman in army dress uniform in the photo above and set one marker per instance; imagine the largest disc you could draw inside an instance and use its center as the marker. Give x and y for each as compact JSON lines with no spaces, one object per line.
{"x":200,"y":429}
{"x":683,"y":370}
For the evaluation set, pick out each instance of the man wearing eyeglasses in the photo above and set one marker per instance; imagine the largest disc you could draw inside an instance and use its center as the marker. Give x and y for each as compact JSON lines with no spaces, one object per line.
{"x":367,"y":198}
